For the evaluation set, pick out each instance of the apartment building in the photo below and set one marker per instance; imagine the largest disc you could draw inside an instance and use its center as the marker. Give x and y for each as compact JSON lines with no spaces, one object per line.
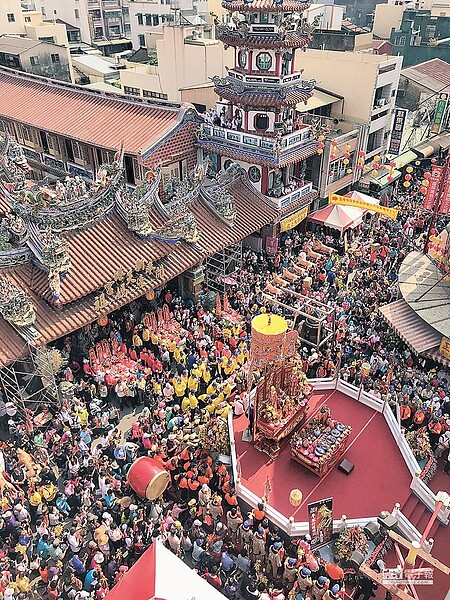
{"x":368,"y":82}
{"x":104,"y":24}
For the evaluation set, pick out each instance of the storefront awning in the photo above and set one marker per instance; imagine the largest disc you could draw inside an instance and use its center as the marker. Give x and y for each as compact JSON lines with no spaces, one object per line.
{"x":405,"y":159}
{"x":413,"y":330}
{"x":317,"y":101}
{"x":433,"y":146}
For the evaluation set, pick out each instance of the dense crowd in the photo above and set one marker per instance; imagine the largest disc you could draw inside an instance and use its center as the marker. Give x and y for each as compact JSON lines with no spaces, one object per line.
{"x":70,"y":526}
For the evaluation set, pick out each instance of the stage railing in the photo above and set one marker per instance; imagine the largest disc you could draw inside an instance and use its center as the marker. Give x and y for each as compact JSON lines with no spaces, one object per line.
{"x":417,"y":486}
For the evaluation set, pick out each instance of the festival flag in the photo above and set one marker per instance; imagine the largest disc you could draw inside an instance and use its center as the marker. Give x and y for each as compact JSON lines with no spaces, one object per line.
{"x":433,"y":187}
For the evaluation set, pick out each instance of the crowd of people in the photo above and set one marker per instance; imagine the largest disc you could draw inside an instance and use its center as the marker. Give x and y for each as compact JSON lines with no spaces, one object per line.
{"x":71,"y":527}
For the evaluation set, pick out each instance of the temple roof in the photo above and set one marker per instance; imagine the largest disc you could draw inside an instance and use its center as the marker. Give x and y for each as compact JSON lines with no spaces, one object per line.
{"x":292,"y":39}
{"x":93,"y":264}
{"x":266,"y":6}
{"x":263,"y":99}
{"x":97,"y":118}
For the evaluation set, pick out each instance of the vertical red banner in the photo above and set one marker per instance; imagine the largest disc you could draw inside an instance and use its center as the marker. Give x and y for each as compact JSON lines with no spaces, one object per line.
{"x":433,"y":187}
{"x":444,"y":208}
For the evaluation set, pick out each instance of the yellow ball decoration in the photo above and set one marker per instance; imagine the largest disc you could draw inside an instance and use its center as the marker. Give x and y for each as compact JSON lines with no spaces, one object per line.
{"x":425,"y":182}
{"x":417,"y":163}
{"x":348,"y":148}
{"x":321,"y":138}
{"x":406,"y":184}
{"x":295,"y":497}
{"x":319,"y":151}
{"x":349,"y":171}
{"x":377,"y":158}
{"x":345,"y":161}
{"x":374,"y":172}
{"x":409,"y":169}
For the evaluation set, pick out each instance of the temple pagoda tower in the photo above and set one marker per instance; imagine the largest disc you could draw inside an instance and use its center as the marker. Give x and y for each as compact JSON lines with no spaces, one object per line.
{"x":256,"y":124}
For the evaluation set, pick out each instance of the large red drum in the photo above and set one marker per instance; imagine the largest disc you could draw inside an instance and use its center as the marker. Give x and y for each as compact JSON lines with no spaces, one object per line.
{"x":147,"y":478}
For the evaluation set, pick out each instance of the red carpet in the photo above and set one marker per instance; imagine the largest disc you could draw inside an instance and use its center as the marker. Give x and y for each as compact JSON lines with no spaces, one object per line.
{"x":379,"y":480}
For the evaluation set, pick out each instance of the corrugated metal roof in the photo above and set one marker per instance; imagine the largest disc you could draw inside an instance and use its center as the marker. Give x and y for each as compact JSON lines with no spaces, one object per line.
{"x":432,"y":74}
{"x":413,"y":330}
{"x":93,"y":118}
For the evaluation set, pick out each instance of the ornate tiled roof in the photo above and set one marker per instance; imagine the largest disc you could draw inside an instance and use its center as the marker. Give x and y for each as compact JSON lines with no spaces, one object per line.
{"x":266,"y":6}
{"x":267,"y":99}
{"x":291,"y":39}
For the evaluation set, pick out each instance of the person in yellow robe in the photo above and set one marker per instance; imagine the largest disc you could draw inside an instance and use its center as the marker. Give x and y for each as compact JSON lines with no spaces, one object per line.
{"x":179,"y":386}
{"x":193,"y":382}
{"x":229,"y":367}
{"x":190,"y":402}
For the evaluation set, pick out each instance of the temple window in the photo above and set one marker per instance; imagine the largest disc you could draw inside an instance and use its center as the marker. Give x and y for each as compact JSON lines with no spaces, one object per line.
{"x":263,"y":61}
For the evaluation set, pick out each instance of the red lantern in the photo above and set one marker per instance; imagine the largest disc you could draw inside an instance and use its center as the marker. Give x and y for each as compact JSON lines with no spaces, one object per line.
{"x":408,"y":177}
{"x":359,"y":167}
{"x":427,"y":175}
{"x":346,"y":154}
{"x":362,"y":153}
{"x":320,"y":145}
{"x":423,"y":190}
{"x":103,"y":321}
{"x":332,"y":156}
{"x":434,"y":160}
{"x":392,"y":164}
{"x":390,"y":178}
{"x":333,"y":142}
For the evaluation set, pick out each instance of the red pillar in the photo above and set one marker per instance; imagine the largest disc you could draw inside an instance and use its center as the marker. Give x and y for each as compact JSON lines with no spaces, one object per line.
{"x":277,"y":63}
{"x":293,"y":61}
{"x":264,"y":180}
{"x":245,"y":120}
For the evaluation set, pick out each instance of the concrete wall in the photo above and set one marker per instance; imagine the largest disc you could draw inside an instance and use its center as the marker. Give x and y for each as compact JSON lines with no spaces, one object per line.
{"x":47,"y":67}
{"x":142,"y":77}
{"x":65,"y":10}
{"x":11,"y":7}
{"x":387,"y":16}
{"x":331,"y":15}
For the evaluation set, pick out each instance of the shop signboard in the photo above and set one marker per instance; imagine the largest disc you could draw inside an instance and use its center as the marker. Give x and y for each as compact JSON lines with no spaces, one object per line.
{"x":346,"y":201}
{"x":398,"y":127}
{"x":439,"y":113}
{"x":444,"y":348}
{"x":320,"y":517}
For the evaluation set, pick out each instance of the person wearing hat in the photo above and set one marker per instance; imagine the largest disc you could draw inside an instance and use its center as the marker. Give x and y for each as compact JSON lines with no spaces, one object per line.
{"x":319,"y":588}
{"x":304,"y":581}
{"x":332,"y":593}
{"x":274,"y":559}
{"x":334,"y":572}
{"x":289,"y":572}
{"x":245,"y":535}
{"x":234,"y":521}
{"x":259,"y":545}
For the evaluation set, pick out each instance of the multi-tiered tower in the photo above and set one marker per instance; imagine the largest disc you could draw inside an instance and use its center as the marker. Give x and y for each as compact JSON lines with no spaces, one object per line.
{"x":257,"y":124}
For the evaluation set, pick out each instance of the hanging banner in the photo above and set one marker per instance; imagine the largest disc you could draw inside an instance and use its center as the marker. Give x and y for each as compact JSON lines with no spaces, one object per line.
{"x":271,"y":245}
{"x":444,"y":348}
{"x":444,"y":207}
{"x":292,"y":221}
{"x":345,"y":201}
{"x":439,"y":114}
{"x":320,"y":517}
{"x":433,"y":187}
{"x":398,"y":127}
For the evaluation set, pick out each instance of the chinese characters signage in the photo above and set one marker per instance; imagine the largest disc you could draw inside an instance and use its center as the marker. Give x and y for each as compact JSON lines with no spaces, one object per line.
{"x":398,"y":127}
{"x":345,"y":201}
{"x":433,"y":187}
{"x":439,"y":114}
{"x":292,"y":221}
{"x":444,"y":348}
{"x":320,"y":516}
{"x":135,"y":277}
{"x":401,"y":576}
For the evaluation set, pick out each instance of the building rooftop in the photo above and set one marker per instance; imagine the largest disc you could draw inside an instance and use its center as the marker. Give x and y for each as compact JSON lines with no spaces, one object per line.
{"x":433,"y":74}
{"x":98,"y":63}
{"x":95,"y":118}
{"x":348,"y":25}
{"x":11,"y":44}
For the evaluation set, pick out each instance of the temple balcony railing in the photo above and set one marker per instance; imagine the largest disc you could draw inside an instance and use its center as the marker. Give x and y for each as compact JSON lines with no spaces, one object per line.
{"x":272,"y":146}
{"x":291,"y":197}
{"x":265,"y":79}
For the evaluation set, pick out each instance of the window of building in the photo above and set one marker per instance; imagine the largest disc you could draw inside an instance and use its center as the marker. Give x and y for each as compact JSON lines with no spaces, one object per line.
{"x":11,"y":18}
{"x":150,"y":94}
{"x":430,"y":31}
{"x":141,"y":39}
{"x":27,"y":19}
{"x":140,"y":19}
{"x":53,"y":144}
{"x":148,"y":19}
{"x":261,"y":122}
{"x":76,"y":13}
{"x":125,"y":11}
{"x":131,"y":90}
{"x":48,"y":39}
{"x":263,"y":61}
{"x":264,"y":18}
{"x":98,"y":32}
{"x":34,"y":61}
{"x":242,"y":58}
{"x":114,"y":30}
{"x":55,"y":58}
{"x":127,"y":27}
{"x":26,"y":134}
{"x":155,"y":20}
{"x":400,"y":40}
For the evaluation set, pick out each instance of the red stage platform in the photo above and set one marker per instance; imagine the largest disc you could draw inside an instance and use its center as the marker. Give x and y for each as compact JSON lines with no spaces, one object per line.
{"x":379,"y":480}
